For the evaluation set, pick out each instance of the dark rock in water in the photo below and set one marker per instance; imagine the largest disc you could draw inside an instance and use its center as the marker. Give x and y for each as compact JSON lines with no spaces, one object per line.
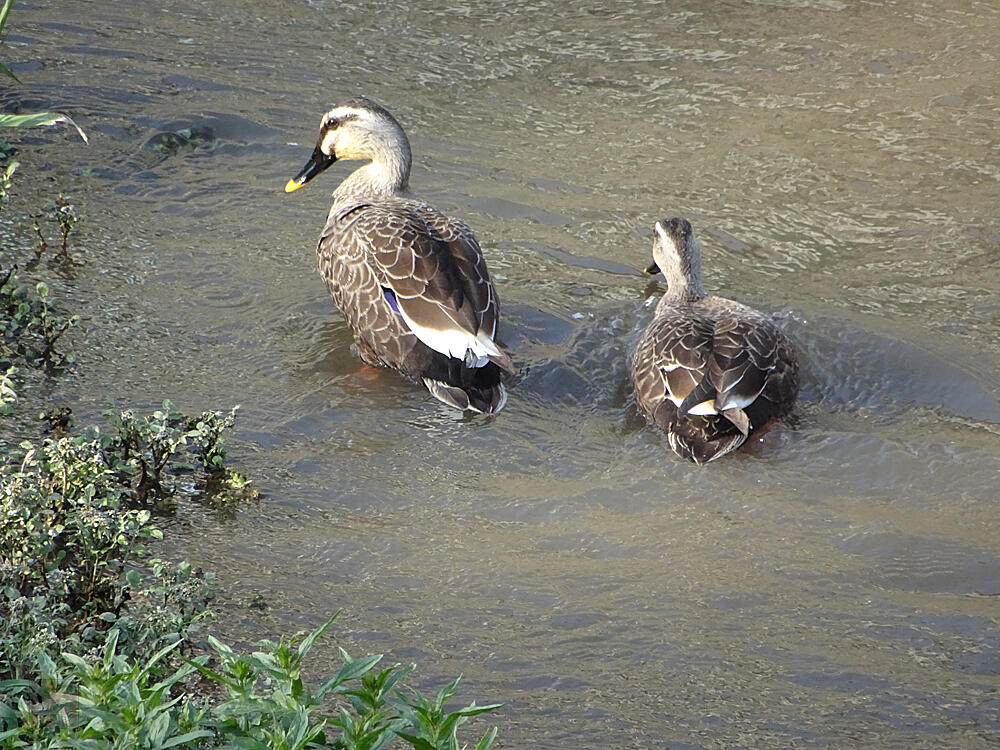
{"x":171,"y":142}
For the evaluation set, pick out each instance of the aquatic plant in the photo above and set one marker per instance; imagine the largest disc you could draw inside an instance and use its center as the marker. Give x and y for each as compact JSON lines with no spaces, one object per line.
{"x":148,"y":450}
{"x":29,"y":330}
{"x":93,"y":635}
{"x":62,"y":213}
{"x":75,"y":513}
{"x":29,"y":327}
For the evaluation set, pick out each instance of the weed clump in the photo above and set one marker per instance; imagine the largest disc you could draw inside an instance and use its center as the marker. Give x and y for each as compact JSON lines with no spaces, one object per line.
{"x":97,"y":641}
{"x":61,"y":213}
{"x":29,"y":326}
{"x":75,"y":515}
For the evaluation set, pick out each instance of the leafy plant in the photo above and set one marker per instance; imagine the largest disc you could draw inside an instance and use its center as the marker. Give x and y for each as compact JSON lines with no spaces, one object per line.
{"x":6,"y":175}
{"x":64,"y":538}
{"x":108,"y":699}
{"x":29,"y":328}
{"x":75,"y":513}
{"x":61,"y":212}
{"x":146,"y":449}
{"x":438,"y":729}
{"x":270,"y":706}
{"x":8,"y":396}
{"x":4,"y":12}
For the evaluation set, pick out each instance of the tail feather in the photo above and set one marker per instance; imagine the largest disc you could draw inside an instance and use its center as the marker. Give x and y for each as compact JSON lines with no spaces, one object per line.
{"x":485,"y":400}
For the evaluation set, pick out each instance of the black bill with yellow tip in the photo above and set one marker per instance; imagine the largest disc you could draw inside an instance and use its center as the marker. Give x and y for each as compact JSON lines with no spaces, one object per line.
{"x":652,"y":269}
{"x":316,"y":164}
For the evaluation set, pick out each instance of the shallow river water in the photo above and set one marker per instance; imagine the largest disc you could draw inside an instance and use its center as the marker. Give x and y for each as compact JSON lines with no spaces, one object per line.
{"x":834,"y":587}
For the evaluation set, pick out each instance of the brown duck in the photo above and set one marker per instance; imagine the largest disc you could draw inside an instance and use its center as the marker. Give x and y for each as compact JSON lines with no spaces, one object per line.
{"x":411,"y":281}
{"x":708,"y":371}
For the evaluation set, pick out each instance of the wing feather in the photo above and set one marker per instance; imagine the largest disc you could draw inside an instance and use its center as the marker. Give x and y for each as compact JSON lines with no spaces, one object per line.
{"x":437,"y":274}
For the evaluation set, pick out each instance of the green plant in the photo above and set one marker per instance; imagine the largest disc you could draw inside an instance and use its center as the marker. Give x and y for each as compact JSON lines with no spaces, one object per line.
{"x":108,"y":698}
{"x":6,"y":173}
{"x":65,"y":537}
{"x":61,"y":212}
{"x":29,"y":328}
{"x":145,"y":449}
{"x":8,"y":396}
{"x":74,"y":517}
{"x":270,"y":706}
{"x":4,"y":12}
{"x":29,"y":332}
{"x":438,"y":729}
{"x":91,"y":646}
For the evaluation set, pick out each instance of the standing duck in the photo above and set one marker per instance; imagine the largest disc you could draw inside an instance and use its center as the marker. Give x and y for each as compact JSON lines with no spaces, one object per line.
{"x":411,"y":281}
{"x":708,"y":371}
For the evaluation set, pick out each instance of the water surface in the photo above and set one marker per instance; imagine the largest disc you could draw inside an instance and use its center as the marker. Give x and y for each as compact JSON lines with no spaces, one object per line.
{"x":834,"y":586}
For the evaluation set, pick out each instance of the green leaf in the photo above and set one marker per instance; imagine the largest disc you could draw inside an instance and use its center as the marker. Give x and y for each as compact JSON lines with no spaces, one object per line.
{"x":76,"y":661}
{"x":46,"y":667}
{"x":4,"y":12}
{"x":157,"y":728}
{"x":309,"y":639}
{"x":355,"y":668}
{"x":487,"y":741}
{"x":212,"y":675}
{"x":16,"y":686}
{"x":157,"y":656}
{"x":184,"y":738}
{"x":12,"y":733}
{"x":38,"y":118}
{"x":419,"y":743}
{"x":7,"y":71}
{"x":133,"y":578}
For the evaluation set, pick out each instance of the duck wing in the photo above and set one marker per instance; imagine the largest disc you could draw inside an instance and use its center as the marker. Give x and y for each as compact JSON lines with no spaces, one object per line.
{"x":423,"y":282}
{"x":745,"y":353}
{"x":672,"y":359}
{"x":470,"y":263}
{"x":709,"y":365}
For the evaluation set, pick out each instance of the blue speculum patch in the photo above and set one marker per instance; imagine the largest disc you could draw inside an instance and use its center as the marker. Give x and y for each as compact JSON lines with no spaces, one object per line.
{"x":390,"y":298}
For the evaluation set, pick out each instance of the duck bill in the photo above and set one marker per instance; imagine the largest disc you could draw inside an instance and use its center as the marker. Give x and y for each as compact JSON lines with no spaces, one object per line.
{"x":316,"y":164}
{"x":651,"y":270}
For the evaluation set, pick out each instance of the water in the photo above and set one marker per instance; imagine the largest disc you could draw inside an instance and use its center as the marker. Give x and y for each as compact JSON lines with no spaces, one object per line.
{"x":835,"y":586}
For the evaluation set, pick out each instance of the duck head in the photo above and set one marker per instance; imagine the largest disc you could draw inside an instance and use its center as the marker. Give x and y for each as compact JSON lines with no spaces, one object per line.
{"x":357,"y":129}
{"x":677,"y":255}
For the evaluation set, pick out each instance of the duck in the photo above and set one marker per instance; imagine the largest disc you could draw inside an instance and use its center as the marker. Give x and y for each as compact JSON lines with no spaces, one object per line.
{"x":707,"y":370}
{"x":411,"y":282}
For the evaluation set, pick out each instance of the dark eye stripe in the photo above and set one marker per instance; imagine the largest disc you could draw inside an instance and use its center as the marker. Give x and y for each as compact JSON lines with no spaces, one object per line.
{"x":336,"y":122}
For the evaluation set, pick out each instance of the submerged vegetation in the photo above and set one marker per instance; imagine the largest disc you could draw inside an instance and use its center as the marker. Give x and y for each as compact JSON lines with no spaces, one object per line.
{"x":101,"y":644}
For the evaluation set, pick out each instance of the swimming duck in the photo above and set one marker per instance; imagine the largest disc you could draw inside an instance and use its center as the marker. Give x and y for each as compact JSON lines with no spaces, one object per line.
{"x":411,"y":281}
{"x":708,"y":370}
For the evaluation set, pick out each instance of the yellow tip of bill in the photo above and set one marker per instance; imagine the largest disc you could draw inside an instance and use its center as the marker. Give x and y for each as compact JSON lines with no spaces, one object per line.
{"x":293,"y":186}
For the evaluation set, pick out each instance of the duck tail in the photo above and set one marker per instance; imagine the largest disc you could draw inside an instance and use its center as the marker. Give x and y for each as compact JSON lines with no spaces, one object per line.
{"x":487,"y":399}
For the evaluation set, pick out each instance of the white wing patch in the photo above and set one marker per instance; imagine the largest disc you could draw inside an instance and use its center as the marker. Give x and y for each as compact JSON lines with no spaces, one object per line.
{"x":474,"y":349}
{"x":705,"y":407}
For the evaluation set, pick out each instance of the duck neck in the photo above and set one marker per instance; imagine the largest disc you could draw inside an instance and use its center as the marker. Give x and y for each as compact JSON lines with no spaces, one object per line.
{"x":684,"y":284}
{"x":387,"y":174}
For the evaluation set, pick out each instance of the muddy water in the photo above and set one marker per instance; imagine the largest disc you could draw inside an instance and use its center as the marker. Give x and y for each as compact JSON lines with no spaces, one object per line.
{"x":835,"y":586}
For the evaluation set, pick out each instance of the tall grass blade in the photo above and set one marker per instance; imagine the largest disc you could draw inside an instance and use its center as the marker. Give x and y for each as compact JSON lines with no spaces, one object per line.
{"x":38,"y":118}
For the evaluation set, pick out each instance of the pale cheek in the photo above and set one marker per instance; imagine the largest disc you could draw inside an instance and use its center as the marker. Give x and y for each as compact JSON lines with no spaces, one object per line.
{"x":329,"y":145}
